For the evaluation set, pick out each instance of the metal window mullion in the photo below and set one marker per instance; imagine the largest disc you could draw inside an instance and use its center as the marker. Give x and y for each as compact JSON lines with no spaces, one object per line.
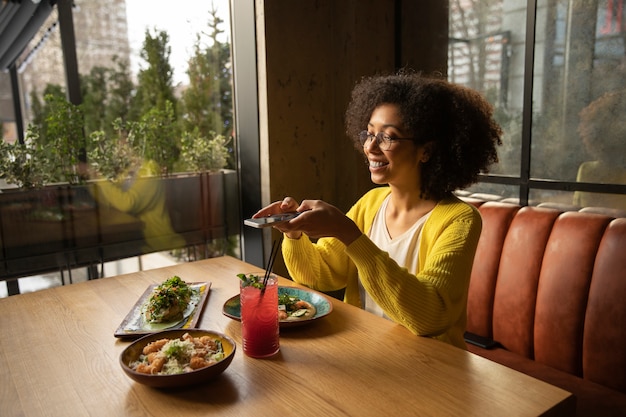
{"x":527,"y":113}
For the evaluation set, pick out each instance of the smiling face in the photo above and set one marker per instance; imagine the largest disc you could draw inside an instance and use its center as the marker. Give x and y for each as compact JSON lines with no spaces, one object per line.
{"x":400,"y":165}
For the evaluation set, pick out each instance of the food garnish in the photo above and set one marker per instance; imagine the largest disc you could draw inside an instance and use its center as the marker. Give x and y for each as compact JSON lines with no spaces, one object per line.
{"x":168,"y":301}
{"x":291,"y":307}
{"x":251,"y":280}
{"x":177,"y":356}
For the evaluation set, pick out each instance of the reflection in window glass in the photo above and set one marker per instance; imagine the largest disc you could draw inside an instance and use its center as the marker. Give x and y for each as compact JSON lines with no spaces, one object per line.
{"x":551,"y":198}
{"x":500,"y":192}
{"x":577,"y":129}
{"x":577,"y":136}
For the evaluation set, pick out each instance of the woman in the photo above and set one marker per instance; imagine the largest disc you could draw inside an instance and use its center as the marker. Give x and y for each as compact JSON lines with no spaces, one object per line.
{"x":403,"y":251}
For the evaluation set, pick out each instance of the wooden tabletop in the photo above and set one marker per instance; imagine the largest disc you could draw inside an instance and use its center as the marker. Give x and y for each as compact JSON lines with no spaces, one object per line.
{"x":58,"y":357}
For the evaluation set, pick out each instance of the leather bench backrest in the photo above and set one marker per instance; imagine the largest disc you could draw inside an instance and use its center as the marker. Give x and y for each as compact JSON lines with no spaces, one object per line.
{"x":563,"y":290}
{"x":551,"y":286}
{"x":518,"y":275}
{"x":496,"y":220}
{"x":604,"y":339}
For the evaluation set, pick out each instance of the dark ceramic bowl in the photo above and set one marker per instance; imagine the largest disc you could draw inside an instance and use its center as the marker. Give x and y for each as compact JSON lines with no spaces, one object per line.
{"x":132,"y":352}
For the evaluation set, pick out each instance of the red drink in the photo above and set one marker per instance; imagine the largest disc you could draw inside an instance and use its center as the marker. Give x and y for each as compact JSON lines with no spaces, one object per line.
{"x":259,"y":319}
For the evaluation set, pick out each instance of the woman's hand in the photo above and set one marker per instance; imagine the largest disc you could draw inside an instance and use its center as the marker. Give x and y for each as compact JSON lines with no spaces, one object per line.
{"x":317,"y":219}
{"x":287,"y":205}
{"x":320,"y":219}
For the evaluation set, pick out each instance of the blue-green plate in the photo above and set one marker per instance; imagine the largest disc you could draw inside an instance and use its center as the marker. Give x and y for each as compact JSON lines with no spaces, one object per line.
{"x":323,"y":306}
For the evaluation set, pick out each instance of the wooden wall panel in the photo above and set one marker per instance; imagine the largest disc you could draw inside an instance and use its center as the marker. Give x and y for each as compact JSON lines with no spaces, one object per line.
{"x":311,"y":54}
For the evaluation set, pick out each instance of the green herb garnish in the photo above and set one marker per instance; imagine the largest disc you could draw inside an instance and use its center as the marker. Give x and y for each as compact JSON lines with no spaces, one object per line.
{"x":287,"y":300}
{"x":178,"y":349}
{"x":168,"y":300}
{"x":251,"y":280}
{"x":290,"y":301}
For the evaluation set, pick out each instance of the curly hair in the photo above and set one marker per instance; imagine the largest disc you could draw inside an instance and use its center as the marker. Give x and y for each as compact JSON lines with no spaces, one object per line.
{"x":457,"y":120}
{"x":603,"y":128}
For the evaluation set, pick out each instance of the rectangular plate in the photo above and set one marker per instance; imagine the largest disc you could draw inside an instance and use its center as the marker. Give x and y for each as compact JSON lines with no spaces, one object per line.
{"x":134,"y":325}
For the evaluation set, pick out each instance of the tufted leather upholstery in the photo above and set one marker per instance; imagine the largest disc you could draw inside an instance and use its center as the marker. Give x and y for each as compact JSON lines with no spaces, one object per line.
{"x":496,"y":220}
{"x":604,"y":338}
{"x":550,"y":287}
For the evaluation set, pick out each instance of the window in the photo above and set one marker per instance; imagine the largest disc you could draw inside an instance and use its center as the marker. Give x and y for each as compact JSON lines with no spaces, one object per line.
{"x":152,"y":134}
{"x":557,"y":90}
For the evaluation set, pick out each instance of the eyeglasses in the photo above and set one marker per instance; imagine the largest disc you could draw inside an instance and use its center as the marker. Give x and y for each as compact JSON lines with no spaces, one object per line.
{"x":383,"y":140}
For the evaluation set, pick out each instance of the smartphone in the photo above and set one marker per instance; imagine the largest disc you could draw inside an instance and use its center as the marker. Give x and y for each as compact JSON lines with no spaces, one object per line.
{"x":270,"y":220}
{"x":480,"y":341}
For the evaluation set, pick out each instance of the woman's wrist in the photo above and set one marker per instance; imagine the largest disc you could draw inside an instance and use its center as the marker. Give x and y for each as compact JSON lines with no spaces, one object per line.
{"x":350,"y":235}
{"x":293,"y":235}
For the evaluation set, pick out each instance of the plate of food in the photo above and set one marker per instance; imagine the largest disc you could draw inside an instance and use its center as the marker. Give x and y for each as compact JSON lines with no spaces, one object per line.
{"x":173,"y":304}
{"x":296,"y":306}
{"x":177,"y":358}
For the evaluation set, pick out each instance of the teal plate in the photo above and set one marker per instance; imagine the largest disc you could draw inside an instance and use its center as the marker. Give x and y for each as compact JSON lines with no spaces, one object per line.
{"x":232,"y":307}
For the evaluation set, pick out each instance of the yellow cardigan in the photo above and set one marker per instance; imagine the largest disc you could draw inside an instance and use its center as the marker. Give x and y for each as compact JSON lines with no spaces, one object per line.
{"x":431,"y":301}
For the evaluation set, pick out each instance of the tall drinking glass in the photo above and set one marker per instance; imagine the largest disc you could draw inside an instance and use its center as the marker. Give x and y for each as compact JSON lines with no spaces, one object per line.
{"x":259,"y":318}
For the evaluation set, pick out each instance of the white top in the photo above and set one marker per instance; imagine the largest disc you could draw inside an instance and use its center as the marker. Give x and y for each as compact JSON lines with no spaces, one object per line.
{"x":403,"y":249}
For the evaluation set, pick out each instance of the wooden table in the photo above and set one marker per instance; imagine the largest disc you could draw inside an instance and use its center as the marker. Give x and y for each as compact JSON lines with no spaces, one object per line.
{"x":58,"y":357}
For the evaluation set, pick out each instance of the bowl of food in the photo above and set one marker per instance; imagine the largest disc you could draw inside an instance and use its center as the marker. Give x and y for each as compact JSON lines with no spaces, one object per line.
{"x":177,"y":358}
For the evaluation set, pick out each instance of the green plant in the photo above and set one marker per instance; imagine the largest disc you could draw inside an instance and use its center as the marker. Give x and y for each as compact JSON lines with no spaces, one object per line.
{"x":155,"y":137}
{"x":205,"y":108}
{"x":66,"y":139}
{"x":107,"y":96}
{"x":119,"y":124}
{"x":26,"y":165}
{"x":155,"y":81}
{"x":111,"y":157}
{"x":204,"y":153}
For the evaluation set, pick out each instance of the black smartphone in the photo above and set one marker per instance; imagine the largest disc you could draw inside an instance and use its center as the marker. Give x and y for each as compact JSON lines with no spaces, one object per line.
{"x":480,"y":341}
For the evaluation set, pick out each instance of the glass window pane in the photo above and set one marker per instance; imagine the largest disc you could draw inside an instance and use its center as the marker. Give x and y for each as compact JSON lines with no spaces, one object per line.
{"x":126,"y":207}
{"x":486,"y":52}
{"x":499,"y":192}
{"x":578,"y":127}
{"x":562,"y":200}
{"x":587,"y":199}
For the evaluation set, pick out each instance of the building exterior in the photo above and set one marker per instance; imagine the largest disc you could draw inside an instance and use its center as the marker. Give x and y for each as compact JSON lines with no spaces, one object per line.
{"x":101,"y":33}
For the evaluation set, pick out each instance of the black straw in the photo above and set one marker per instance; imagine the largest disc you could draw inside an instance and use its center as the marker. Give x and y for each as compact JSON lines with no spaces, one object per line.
{"x":270,"y":264}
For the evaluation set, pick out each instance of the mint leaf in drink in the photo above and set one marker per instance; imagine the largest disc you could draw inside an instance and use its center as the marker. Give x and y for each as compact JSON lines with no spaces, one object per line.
{"x":251,"y":280}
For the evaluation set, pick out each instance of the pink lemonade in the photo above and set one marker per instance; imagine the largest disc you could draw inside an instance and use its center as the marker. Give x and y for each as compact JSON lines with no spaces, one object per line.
{"x":259,"y":319}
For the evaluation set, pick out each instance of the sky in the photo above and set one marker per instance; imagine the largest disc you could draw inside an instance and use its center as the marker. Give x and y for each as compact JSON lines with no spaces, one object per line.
{"x":181,"y":22}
